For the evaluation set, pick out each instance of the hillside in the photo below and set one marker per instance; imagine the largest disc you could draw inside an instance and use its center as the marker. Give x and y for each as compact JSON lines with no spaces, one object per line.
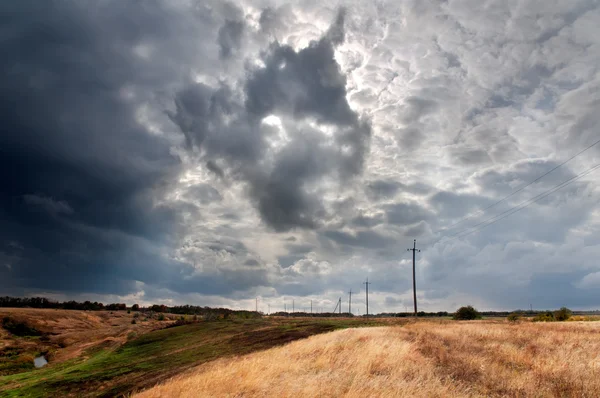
{"x":105,"y":354}
{"x":424,"y":359}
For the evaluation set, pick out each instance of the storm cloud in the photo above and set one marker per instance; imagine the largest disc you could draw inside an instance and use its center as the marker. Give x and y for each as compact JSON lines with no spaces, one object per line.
{"x":301,"y":91}
{"x":211,"y":153}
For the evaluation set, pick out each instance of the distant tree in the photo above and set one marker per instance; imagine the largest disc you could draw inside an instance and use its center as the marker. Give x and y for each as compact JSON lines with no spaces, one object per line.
{"x":466,"y":313}
{"x":513,"y":317}
{"x":563,"y":314}
{"x":159,"y":308}
{"x":547,"y":316}
{"x":135,"y":307}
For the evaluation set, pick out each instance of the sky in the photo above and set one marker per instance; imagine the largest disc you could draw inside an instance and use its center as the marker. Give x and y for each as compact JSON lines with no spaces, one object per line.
{"x":212,"y":153}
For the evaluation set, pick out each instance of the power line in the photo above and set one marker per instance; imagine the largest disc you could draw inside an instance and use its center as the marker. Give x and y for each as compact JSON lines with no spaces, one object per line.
{"x":367,"y":283}
{"x":350,"y":302}
{"x":523,"y":187}
{"x":526,"y":203}
{"x":414,"y":250}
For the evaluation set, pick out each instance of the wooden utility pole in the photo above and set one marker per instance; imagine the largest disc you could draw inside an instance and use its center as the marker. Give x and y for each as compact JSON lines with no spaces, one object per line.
{"x":350,"y":302}
{"x":367,"y":283}
{"x":311,"y":307}
{"x":414,"y":250}
{"x":340,"y":304}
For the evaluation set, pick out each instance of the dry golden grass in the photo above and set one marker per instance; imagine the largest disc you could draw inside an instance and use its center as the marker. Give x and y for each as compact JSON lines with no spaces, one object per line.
{"x":71,"y":332}
{"x":423,"y":359}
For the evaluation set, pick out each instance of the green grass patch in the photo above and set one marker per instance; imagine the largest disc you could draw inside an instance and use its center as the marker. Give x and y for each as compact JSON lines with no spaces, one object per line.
{"x":155,"y":356}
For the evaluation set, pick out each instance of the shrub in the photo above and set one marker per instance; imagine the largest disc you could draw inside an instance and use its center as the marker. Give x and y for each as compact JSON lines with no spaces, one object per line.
{"x":133,"y":322}
{"x":466,"y":313}
{"x":19,"y":328}
{"x":135,"y":307}
{"x":547,"y":316}
{"x":211,"y":316}
{"x":161,"y":317}
{"x":513,"y":317}
{"x":563,"y":314}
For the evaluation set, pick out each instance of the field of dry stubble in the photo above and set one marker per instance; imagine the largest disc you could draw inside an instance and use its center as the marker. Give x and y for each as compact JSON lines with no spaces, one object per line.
{"x":426,"y":359}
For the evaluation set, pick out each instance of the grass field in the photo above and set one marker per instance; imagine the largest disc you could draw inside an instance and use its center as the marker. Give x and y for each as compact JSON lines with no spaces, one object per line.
{"x":110,"y":366}
{"x":422,"y":359}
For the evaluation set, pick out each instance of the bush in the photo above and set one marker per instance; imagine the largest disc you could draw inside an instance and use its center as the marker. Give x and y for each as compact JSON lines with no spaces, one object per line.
{"x":563,"y":314}
{"x":133,"y":322}
{"x":466,"y":313}
{"x":161,"y":317}
{"x":135,"y":307}
{"x":19,"y":328}
{"x":513,"y":317}
{"x":547,"y":316}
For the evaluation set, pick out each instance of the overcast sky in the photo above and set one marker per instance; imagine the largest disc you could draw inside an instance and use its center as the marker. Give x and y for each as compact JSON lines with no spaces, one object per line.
{"x":209,"y":153}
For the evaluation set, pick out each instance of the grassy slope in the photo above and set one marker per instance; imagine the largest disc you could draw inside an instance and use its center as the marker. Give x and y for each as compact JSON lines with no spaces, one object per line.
{"x":62,"y":335}
{"x":423,"y":359}
{"x":155,"y":356}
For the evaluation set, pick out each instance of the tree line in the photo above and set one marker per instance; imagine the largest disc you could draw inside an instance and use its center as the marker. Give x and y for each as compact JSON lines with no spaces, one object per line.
{"x":42,"y":302}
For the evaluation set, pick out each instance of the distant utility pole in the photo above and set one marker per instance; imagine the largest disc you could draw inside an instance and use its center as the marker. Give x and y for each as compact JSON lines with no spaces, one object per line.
{"x":367,"y":283}
{"x":414,"y":250}
{"x":311,"y":307}
{"x":340,"y":303}
{"x":257,"y":304}
{"x":350,"y":302}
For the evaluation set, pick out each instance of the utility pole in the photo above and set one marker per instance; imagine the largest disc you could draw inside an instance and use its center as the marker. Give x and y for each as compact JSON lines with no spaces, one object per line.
{"x":414,"y":250}
{"x":311,"y":307}
{"x":257,"y":304}
{"x":367,"y":284}
{"x":340,"y":303}
{"x":350,"y":302}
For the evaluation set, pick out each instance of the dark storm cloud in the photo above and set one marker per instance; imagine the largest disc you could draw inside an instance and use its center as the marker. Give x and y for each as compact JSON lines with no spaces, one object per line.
{"x":415,"y":108}
{"x":230,"y":37}
{"x":457,"y":205}
{"x":366,"y":239}
{"x":203,"y":193}
{"x":468,"y":157}
{"x":405,"y":213}
{"x":383,"y":189}
{"x":294,"y":85}
{"x":387,"y":189}
{"x":79,"y":173}
{"x":368,"y":221}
